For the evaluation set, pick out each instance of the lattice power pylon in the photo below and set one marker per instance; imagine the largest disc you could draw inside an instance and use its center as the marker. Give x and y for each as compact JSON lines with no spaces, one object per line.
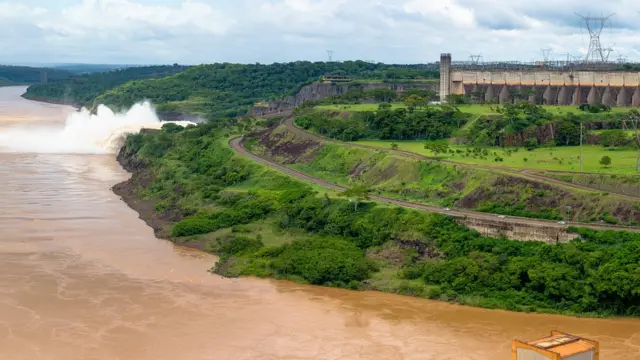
{"x":330,"y":55}
{"x":545,"y":54}
{"x":475,"y":59}
{"x":595,"y":25}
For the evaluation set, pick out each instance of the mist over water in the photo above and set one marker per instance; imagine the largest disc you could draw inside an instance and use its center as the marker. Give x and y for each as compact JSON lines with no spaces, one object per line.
{"x":83,"y":132}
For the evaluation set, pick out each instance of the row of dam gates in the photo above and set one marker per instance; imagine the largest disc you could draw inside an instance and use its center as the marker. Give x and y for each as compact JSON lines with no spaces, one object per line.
{"x":540,"y":85}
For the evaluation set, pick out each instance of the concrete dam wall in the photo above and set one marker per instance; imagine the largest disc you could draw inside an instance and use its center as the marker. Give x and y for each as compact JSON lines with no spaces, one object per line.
{"x":541,"y":86}
{"x":518,"y":231}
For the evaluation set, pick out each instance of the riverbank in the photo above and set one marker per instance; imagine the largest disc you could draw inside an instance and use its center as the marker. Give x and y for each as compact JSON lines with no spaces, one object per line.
{"x":192,"y":188}
{"x":146,"y":208}
{"x":49,"y":101}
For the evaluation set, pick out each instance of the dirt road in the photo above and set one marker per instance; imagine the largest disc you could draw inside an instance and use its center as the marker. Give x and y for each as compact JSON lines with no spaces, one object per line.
{"x":525,"y":174}
{"x":236,"y":144}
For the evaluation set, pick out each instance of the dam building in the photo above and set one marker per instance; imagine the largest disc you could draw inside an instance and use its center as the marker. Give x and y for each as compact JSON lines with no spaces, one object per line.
{"x":542,"y":83}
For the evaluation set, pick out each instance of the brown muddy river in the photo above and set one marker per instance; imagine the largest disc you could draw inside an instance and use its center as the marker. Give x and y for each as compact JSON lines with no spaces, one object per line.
{"x":81,"y":277}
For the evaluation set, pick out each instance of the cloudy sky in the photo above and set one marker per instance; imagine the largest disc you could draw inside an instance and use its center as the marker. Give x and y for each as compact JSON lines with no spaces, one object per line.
{"x":266,"y":31}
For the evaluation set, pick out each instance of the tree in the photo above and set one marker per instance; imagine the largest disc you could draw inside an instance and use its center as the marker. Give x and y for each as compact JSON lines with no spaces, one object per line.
{"x":357,"y":193}
{"x":437,"y":148}
{"x":605,"y":161}
{"x":394,"y":146}
{"x":614,"y":138}
{"x":531,"y":144}
{"x":414,"y":101}
{"x":456,"y":99}
{"x":383,"y":95}
{"x":384,"y":106}
{"x":634,"y":119}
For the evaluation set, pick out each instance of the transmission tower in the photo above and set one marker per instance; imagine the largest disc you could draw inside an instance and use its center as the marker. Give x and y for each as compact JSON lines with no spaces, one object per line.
{"x":621,"y":59}
{"x":607,"y":52}
{"x":330,"y":55}
{"x":594,"y":26}
{"x":545,"y":54}
{"x":475,"y":58}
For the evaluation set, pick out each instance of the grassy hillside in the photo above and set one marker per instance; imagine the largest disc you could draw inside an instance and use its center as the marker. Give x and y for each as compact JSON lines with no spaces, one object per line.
{"x":231,"y":89}
{"x":81,"y":90}
{"x":435,"y":183}
{"x":559,"y":158}
{"x":189,"y":185}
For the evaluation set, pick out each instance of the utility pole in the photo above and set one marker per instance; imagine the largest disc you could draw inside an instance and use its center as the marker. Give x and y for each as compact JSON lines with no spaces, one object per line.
{"x":581,"y":127}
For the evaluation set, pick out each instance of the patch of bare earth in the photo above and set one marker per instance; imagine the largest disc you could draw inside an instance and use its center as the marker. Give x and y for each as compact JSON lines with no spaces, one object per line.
{"x":283,"y":146}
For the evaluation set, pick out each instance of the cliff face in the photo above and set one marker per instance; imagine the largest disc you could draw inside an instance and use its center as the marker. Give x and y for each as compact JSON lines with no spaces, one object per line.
{"x":319,"y":91}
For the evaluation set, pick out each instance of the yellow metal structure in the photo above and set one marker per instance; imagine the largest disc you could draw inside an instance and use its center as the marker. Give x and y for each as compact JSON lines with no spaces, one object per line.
{"x":557,"y":346}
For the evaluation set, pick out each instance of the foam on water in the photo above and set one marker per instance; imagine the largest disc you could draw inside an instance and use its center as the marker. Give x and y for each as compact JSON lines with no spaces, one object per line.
{"x":83,"y":132}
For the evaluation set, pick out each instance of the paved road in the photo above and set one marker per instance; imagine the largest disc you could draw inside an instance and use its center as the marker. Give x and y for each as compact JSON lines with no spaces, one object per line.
{"x":525,"y":174}
{"x":236,"y":144}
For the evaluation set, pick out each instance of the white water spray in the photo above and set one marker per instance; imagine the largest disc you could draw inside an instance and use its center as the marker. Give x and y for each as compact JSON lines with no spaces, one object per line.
{"x":83,"y":132}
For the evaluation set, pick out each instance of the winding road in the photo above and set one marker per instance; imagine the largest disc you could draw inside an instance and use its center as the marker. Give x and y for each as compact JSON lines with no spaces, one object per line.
{"x":236,"y":144}
{"x":524,"y":173}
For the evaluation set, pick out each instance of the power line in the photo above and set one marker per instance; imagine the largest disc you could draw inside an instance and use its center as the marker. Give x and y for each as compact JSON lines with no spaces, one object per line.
{"x":594,"y":26}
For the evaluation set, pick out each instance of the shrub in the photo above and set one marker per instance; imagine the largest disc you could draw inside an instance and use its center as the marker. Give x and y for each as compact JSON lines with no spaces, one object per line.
{"x":193,"y":226}
{"x":324,"y":261}
{"x":531,"y":144}
{"x":614,"y":138}
{"x":236,"y":245}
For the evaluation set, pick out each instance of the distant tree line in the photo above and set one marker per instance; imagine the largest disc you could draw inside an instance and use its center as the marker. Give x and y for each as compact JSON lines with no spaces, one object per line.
{"x":82,"y":90}
{"x":24,"y":75}
{"x":216,"y":90}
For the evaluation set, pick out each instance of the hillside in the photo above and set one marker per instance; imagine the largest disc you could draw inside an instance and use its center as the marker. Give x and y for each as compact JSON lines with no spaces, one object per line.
{"x":232,"y":89}
{"x":24,"y":75}
{"x":190,"y":186}
{"x":436,"y":183}
{"x":81,"y":90}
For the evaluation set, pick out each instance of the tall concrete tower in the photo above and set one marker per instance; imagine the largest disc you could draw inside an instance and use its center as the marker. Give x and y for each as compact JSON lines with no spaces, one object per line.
{"x":445,"y":76}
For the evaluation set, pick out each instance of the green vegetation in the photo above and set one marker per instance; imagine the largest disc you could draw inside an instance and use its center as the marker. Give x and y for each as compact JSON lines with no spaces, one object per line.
{"x":562,"y":158}
{"x":357,"y":107}
{"x":229,"y":90}
{"x":24,"y":75}
{"x":442,"y":184}
{"x":191,"y":175}
{"x":81,"y":90}
{"x":399,"y":124}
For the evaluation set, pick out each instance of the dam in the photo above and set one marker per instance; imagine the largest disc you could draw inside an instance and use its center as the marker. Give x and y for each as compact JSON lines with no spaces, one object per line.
{"x":542,"y":83}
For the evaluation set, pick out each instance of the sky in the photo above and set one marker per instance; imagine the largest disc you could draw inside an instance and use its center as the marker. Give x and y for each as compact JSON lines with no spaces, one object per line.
{"x":267,"y":31}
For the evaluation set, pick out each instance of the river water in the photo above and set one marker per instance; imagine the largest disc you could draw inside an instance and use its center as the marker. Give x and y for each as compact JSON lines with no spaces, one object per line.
{"x":81,"y":277}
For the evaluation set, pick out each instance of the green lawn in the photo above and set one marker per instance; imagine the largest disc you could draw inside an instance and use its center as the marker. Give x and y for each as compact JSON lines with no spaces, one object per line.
{"x":566,"y":158}
{"x":475,"y":109}
{"x":479,"y":109}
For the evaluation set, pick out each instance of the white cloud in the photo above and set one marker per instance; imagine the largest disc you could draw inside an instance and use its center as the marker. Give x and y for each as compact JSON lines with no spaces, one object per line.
{"x":449,"y":10}
{"x":400,"y":31}
{"x":19,"y":11}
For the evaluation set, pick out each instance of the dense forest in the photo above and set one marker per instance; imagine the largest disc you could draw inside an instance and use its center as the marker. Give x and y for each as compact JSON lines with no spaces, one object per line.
{"x":231,"y":89}
{"x":81,"y":90}
{"x":24,"y":75}
{"x":211,"y":195}
{"x":432,"y":123}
